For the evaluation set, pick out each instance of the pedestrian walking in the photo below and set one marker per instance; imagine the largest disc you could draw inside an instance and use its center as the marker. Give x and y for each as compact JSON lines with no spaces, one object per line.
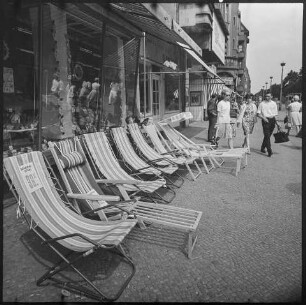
{"x":248,"y":118}
{"x":224,"y":128}
{"x":295,"y":113}
{"x":212,"y":117}
{"x":267,"y":111}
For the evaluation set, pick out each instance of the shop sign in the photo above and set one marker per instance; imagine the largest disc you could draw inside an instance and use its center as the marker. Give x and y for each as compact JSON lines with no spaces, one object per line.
{"x":8,"y":80}
{"x":228,"y":80}
{"x":170,"y":64}
{"x":30,"y":176}
{"x":218,"y":40}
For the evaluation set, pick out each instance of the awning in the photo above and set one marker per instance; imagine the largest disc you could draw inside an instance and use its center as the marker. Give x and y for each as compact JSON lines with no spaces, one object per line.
{"x":153,"y":19}
{"x":216,"y":77}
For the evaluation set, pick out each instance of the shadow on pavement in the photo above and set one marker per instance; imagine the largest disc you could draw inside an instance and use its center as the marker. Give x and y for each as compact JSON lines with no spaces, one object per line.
{"x":190,"y":132}
{"x":295,"y":188}
{"x":102,"y":267}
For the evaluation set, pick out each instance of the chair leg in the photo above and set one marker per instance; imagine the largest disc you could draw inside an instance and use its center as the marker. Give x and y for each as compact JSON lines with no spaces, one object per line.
{"x":238,"y":166}
{"x":190,"y":244}
{"x":95,"y":294}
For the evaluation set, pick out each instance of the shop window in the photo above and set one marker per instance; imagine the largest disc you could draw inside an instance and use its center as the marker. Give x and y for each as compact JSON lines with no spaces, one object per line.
{"x":20,"y":99}
{"x":144,"y":80}
{"x":171,"y":92}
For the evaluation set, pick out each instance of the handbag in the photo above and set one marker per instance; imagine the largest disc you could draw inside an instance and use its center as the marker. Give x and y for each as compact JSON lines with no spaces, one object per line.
{"x":281,"y":136}
{"x":288,"y":125}
{"x":286,"y":119}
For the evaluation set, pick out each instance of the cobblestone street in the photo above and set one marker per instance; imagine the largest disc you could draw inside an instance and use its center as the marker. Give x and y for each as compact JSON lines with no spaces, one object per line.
{"x":249,"y":238}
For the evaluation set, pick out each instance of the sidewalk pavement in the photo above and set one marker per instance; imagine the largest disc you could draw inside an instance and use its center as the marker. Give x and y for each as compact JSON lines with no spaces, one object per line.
{"x":248,"y":250}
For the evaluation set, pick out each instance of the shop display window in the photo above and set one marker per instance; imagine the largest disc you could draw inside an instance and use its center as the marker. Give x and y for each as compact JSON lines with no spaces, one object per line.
{"x":172,"y":101}
{"x":20,"y":116}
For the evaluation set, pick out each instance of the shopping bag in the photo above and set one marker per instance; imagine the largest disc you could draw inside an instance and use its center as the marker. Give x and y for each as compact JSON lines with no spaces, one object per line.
{"x":281,"y":136}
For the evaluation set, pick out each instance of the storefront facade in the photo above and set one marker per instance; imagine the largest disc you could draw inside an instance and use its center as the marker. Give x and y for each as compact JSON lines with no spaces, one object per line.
{"x":77,"y":67}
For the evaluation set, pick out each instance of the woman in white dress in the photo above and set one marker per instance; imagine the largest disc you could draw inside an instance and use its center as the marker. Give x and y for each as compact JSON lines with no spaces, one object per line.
{"x":295,"y":114}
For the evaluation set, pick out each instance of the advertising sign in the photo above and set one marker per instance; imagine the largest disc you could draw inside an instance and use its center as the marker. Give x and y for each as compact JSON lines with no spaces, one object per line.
{"x":218,"y":40}
{"x":228,"y":80}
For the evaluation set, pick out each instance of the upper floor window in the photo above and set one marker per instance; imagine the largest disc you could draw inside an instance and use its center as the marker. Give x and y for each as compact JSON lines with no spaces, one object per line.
{"x":234,"y":20}
{"x":234,"y":45}
{"x":240,"y":48}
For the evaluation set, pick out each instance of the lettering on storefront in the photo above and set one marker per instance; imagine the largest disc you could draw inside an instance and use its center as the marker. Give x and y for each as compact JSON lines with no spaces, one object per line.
{"x":161,"y":52}
{"x":228,"y":80}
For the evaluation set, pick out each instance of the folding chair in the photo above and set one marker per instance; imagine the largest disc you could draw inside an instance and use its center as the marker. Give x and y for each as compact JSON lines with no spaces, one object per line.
{"x":180,"y":160}
{"x":79,"y":178}
{"x":151,"y":156}
{"x":182,"y":219}
{"x":131,"y":159}
{"x":178,"y":140}
{"x":55,"y":221}
{"x":175,"y":141}
{"x":104,"y":163}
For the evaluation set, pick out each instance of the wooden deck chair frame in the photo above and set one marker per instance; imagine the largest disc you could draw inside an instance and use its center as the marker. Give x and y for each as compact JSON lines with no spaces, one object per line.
{"x":239,"y":154}
{"x":46,"y":211}
{"x":131,"y":166}
{"x":133,"y":184}
{"x":197,"y":152}
{"x":147,"y":153}
{"x":181,"y":160}
{"x":182,"y":219}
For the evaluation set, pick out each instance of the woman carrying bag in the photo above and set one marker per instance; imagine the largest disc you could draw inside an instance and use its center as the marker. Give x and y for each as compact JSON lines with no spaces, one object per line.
{"x":248,"y":119}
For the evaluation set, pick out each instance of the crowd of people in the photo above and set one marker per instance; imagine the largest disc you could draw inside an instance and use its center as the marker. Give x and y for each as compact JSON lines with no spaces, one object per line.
{"x":225,"y":115}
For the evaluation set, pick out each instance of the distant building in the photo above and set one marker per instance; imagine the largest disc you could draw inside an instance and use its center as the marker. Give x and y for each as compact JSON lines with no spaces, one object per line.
{"x":234,"y":72}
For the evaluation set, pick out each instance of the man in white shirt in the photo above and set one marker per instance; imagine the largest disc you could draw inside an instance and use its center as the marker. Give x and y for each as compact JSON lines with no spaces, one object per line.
{"x":267,"y":111}
{"x":223,"y":120}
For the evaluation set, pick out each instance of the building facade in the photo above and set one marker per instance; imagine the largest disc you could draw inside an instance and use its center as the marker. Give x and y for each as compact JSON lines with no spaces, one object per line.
{"x":207,"y":26}
{"x":234,"y":71}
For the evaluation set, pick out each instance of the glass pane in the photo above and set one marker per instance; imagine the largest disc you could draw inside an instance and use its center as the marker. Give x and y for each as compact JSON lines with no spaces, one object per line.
{"x":20,"y":83}
{"x":172,"y":94}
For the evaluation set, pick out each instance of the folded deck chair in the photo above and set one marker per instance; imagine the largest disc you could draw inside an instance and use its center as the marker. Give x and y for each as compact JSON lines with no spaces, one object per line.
{"x":151,"y":156}
{"x":105,"y":164}
{"x":45,"y":210}
{"x":156,"y":140}
{"x":175,"y":141}
{"x":182,"y":219}
{"x":130,"y":157}
{"x":179,"y":141}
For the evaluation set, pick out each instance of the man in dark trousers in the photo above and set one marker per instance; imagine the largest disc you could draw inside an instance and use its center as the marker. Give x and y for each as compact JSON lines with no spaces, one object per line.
{"x":267,"y":111}
{"x":212,"y":117}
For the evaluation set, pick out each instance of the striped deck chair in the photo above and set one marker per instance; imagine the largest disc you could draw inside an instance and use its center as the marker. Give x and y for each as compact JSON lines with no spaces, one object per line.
{"x":178,"y":140}
{"x":180,"y":160}
{"x":55,"y":221}
{"x":175,"y":141}
{"x":105,"y":164}
{"x":151,"y":156}
{"x":182,"y":219}
{"x":130,"y":157}
{"x":80,"y":183}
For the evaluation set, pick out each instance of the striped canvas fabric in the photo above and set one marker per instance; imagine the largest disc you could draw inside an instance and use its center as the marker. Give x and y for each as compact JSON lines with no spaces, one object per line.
{"x":126,"y":150}
{"x":148,"y":151}
{"x":79,"y":175}
{"x":51,"y":214}
{"x":105,"y":159}
{"x":158,"y":145}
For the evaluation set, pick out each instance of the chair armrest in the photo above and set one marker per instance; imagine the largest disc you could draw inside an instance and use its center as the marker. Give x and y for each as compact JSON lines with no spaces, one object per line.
{"x":93,"y":197}
{"x":119,"y":181}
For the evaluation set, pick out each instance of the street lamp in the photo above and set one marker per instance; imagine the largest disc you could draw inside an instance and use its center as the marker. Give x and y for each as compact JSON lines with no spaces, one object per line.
{"x":281,"y":88}
{"x":271,"y":77}
{"x":263,"y":91}
{"x":266,"y":85}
